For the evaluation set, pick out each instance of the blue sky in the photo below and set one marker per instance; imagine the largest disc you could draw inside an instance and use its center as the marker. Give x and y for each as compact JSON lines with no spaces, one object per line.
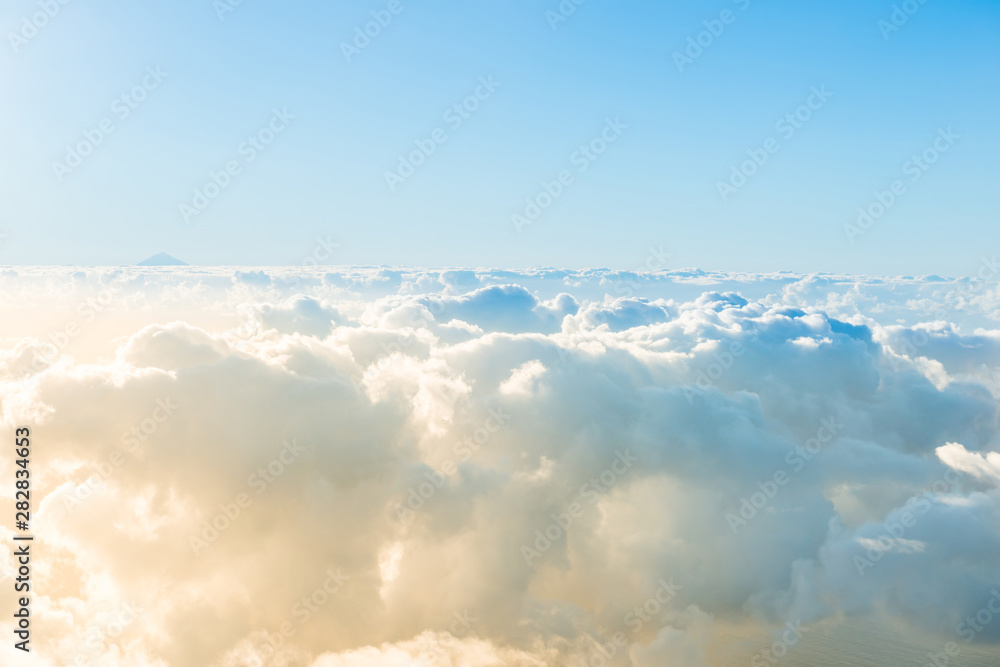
{"x":656,"y":184}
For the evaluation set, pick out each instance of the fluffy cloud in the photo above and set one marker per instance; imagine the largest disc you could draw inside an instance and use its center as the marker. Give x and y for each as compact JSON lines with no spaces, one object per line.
{"x":479,"y":468}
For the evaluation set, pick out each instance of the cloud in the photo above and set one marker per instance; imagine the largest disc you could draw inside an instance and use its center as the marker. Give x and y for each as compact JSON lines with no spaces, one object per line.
{"x":509,"y":308}
{"x":351,"y":471}
{"x":431,"y":648}
{"x":683,"y":648}
{"x":979,"y":466}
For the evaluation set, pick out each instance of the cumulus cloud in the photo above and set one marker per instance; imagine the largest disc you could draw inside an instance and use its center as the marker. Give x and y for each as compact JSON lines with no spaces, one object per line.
{"x":981,"y":467}
{"x":478,"y":468}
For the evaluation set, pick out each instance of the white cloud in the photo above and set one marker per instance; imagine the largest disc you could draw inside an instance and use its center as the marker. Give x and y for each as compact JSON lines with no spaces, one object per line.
{"x":979,"y":466}
{"x":523,"y":379}
{"x":448,"y":419}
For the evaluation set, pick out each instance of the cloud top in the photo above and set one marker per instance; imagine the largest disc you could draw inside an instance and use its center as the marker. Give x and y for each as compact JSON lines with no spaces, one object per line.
{"x":486,"y":468}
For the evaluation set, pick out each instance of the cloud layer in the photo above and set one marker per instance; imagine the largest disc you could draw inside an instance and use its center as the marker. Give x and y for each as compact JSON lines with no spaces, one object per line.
{"x":498,"y":468}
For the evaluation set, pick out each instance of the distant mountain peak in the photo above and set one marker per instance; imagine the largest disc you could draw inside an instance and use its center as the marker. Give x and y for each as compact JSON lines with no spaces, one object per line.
{"x":162,"y":259}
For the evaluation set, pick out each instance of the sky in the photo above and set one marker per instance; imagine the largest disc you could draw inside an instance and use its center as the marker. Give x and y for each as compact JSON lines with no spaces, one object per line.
{"x":339,"y":111}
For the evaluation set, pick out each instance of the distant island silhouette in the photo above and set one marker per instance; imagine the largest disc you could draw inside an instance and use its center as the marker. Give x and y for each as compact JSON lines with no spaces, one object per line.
{"x":162,"y":259}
